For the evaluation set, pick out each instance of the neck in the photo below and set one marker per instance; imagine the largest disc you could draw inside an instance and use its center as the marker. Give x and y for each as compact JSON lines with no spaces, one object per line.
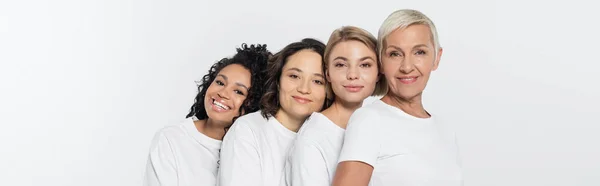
{"x":412,"y":106}
{"x":211,"y":128}
{"x":289,"y":122}
{"x":340,"y":111}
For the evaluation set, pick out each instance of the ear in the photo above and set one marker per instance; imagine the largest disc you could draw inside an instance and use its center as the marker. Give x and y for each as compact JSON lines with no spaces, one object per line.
{"x":327,"y":76}
{"x":436,"y":63}
{"x":242,"y":112}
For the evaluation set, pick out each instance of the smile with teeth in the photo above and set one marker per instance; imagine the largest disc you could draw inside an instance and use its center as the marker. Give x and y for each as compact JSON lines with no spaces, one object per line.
{"x":222,"y":106}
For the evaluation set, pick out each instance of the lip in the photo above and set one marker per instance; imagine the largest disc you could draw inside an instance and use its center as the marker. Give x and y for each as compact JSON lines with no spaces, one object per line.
{"x":301,"y":100}
{"x":407,"y":79}
{"x":353,"y":88}
{"x":217,"y":108}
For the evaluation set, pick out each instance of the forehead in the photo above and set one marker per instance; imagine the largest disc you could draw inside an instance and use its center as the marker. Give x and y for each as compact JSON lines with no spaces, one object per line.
{"x":351,"y":47}
{"x":410,"y":36}
{"x":236,"y":73}
{"x":306,"y":60}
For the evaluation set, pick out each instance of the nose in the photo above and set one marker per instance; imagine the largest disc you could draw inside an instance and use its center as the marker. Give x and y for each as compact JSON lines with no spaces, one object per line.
{"x":223,"y":93}
{"x":407,"y":65}
{"x":352,"y":73}
{"x":304,"y":87}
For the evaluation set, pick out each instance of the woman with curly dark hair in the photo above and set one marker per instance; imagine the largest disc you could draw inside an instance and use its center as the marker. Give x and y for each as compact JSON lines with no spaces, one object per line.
{"x":254,"y":149}
{"x":188,"y":153}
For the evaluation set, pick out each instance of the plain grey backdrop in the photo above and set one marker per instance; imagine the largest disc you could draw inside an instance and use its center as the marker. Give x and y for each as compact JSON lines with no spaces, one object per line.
{"x":85,"y":84}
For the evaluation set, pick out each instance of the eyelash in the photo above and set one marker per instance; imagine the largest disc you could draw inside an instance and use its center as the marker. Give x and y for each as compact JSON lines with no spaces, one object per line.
{"x":220,"y":83}
{"x":419,"y":52}
{"x":239,"y":92}
{"x":366,"y":65}
{"x":319,"y":82}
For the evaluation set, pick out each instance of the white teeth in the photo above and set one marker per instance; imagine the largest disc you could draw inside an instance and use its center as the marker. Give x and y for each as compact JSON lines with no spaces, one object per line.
{"x":220,"y":105}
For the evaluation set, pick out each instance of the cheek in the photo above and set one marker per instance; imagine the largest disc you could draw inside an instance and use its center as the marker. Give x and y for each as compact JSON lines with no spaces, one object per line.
{"x":318,"y":92}
{"x":239,"y":102}
{"x":369,"y":75}
{"x":210,"y":88}
{"x":285,"y":87}
{"x":337,"y":77}
{"x":424,"y":66}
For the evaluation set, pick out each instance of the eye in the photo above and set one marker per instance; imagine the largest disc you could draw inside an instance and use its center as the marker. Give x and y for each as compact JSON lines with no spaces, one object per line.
{"x":219,"y":82}
{"x":293,"y":76}
{"x":338,"y":65}
{"x":395,"y":54}
{"x":365,"y":65}
{"x":239,"y":92}
{"x":319,"y":82}
{"x":420,"y":52}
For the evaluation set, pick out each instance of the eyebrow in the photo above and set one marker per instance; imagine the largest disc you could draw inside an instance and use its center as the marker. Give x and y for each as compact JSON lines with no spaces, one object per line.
{"x":367,"y":57}
{"x":398,"y":48}
{"x":238,"y":84}
{"x":361,"y":59}
{"x":298,"y":70}
{"x":340,"y":57}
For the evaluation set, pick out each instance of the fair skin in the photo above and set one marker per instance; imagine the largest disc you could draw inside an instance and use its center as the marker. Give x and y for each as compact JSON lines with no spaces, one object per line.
{"x":408,"y":60}
{"x":352,"y":71}
{"x":301,"y":88}
{"x":224,"y":96}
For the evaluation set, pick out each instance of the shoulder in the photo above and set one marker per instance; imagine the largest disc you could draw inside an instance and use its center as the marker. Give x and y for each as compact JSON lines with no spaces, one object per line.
{"x":366,"y":113}
{"x":252,"y":119}
{"x":374,"y":108}
{"x":171,"y":132}
{"x":247,"y":125}
{"x":312,"y":123}
{"x":445,"y":125}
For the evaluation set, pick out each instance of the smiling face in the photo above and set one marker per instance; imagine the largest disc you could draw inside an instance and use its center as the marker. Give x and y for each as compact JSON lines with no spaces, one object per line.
{"x":226,"y":93}
{"x":408,"y":59}
{"x":352,"y":71}
{"x":301,"y":85}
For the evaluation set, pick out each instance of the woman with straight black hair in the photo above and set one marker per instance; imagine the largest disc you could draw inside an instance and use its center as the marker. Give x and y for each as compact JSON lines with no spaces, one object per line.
{"x":255,"y":148}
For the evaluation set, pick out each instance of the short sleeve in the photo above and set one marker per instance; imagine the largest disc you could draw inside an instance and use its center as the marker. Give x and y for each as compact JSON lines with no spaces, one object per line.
{"x":306,"y":166}
{"x":161,"y":168}
{"x":240,"y":161}
{"x":361,"y":141}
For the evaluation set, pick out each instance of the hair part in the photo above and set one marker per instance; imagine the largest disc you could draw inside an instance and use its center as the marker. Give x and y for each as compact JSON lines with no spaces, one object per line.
{"x":404,"y":18}
{"x":270,"y":100}
{"x":352,"y":33}
{"x":254,"y":58}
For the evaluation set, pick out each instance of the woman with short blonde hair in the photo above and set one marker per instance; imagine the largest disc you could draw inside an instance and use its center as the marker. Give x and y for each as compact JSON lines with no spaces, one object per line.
{"x":394,"y":140}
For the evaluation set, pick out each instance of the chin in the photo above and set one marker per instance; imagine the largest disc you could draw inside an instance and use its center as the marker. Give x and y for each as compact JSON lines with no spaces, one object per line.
{"x":354,"y":99}
{"x":302,"y":113}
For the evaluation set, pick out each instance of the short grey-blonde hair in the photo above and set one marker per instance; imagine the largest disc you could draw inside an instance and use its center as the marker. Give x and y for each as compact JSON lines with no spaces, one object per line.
{"x":403,"y":18}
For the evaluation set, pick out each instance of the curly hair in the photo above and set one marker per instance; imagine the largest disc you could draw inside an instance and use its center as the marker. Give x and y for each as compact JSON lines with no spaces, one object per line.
{"x":270,"y":101}
{"x":253,"y":58}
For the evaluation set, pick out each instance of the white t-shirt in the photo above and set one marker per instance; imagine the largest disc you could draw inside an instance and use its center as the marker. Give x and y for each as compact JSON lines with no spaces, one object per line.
{"x":254,"y":151}
{"x":404,"y":150}
{"x":180,"y":155}
{"x":313,"y":157}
